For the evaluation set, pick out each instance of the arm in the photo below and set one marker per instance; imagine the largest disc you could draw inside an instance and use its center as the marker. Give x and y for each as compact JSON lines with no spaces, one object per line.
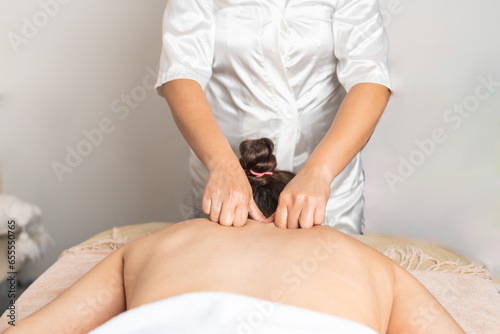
{"x":416,"y":311}
{"x":350,"y":131}
{"x":194,"y":118}
{"x":185,"y":69}
{"x":361,"y":47}
{"x":228,"y":195}
{"x":95,"y":298}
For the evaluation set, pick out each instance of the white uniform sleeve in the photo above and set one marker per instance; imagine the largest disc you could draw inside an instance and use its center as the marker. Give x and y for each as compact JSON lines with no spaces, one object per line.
{"x":360,"y":43}
{"x":188,"y":42}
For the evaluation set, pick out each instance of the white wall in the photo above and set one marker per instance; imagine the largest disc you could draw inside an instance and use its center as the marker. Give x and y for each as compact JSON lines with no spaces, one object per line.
{"x":439,"y":52}
{"x":78,"y":68}
{"x":65,"y":80}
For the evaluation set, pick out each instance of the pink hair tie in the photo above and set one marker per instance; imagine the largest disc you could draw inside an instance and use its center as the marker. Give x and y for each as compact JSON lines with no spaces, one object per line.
{"x":260,"y":174}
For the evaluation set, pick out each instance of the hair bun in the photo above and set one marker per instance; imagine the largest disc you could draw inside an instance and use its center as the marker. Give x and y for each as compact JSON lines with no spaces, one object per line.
{"x":257,"y":154}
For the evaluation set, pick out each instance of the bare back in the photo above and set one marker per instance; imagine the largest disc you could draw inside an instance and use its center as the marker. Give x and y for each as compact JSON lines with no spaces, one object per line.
{"x":320,"y":269}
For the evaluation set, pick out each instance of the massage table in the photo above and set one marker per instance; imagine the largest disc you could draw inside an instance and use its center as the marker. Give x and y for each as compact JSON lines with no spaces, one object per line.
{"x":464,"y":288}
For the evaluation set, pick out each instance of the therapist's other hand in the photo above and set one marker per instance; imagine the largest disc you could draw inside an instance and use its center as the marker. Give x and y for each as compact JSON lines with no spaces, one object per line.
{"x":302,"y":203}
{"x":228,"y":198}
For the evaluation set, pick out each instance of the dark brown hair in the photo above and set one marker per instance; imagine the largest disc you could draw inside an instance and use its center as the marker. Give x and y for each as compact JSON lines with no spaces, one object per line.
{"x":258,"y":156}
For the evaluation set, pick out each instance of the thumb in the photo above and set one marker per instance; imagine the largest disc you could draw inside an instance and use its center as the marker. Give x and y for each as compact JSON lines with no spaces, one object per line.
{"x":254,"y":211}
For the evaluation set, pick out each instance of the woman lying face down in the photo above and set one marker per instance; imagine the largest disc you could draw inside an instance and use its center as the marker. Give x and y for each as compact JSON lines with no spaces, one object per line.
{"x":317,"y":277}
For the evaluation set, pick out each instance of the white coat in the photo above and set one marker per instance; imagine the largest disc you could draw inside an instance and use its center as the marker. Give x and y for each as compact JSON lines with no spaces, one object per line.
{"x":278,"y":69}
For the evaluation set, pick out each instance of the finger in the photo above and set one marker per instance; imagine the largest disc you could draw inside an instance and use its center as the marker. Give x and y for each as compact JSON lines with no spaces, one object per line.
{"x":206,"y":204}
{"x":293,"y":216}
{"x":240,"y":216}
{"x":255,"y":212}
{"x":280,"y":216}
{"x":227,"y":214}
{"x":306,"y":217}
{"x":319,"y":215}
{"x":294,"y":204}
{"x":215,"y":210}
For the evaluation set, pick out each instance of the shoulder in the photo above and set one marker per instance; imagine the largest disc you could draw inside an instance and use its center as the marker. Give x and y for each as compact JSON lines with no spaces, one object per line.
{"x":415,"y":310}
{"x":170,"y":234}
{"x":360,"y":251}
{"x":377,"y":270}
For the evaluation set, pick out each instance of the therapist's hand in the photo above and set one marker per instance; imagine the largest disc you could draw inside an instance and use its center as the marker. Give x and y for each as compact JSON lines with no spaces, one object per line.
{"x":228,"y":197}
{"x":302,"y":203}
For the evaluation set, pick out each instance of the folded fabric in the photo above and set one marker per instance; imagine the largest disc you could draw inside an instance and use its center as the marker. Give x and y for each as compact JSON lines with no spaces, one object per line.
{"x":226,"y":313}
{"x":32,"y":238}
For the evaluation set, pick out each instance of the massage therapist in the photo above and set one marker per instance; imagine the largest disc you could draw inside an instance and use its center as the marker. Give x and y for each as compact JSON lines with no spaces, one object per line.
{"x":311,"y":75}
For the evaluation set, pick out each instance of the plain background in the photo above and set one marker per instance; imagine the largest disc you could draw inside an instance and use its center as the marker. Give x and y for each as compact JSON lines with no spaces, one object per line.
{"x":79,"y":67}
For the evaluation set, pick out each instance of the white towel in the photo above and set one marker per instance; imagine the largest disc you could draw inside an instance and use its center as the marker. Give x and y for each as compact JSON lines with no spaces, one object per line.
{"x":226,"y":313}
